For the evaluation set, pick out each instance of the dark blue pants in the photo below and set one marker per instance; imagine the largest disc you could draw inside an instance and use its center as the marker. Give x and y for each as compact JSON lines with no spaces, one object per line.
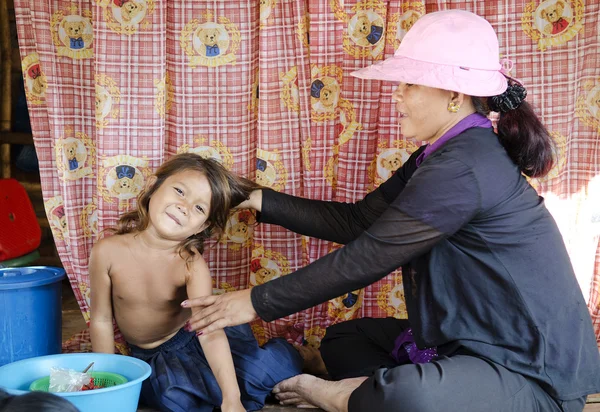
{"x":462,"y":383}
{"x":182,"y":381}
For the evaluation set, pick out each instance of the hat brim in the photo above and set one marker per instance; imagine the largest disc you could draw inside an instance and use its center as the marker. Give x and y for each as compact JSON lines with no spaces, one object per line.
{"x":473,"y":82}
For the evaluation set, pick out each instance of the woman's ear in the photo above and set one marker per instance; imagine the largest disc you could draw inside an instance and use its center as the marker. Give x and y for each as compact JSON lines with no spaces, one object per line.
{"x":457,"y":98}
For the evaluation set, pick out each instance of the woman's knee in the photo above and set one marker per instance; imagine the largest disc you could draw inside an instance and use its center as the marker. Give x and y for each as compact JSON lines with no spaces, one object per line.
{"x":387,"y":391}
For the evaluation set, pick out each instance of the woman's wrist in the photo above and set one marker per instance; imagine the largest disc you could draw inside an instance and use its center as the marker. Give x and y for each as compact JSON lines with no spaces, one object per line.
{"x":255,"y":200}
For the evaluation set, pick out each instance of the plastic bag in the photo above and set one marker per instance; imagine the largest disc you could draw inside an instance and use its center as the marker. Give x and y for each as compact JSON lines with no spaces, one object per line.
{"x":67,"y":380}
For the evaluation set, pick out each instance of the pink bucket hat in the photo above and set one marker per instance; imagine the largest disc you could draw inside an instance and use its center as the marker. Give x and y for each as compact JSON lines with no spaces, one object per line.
{"x":452,"y":50}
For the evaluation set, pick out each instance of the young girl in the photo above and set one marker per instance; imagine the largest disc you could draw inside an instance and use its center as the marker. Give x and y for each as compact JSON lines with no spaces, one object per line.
{"x":153,"y":263}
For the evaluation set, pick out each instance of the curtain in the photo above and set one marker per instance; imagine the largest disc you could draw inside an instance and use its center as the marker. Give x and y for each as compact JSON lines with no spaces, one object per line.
{"x":116,"y":87}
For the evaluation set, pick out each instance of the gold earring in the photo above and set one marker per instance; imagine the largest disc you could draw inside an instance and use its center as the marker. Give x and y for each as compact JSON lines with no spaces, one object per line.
{"x":453,"y":107}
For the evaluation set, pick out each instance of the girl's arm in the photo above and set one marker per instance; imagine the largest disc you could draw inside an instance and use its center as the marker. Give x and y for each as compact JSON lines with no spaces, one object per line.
{"x":101,"y":321}
{"x":215,"y":345}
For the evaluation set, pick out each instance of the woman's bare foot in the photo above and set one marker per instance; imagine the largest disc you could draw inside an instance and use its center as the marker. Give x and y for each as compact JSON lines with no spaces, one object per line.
{"x":313,"y":362}
{"x":310,"y":390}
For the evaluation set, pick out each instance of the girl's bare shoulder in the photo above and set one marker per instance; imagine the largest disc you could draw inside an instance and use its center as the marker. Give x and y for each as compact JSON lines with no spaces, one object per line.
{"x":112,"y":242}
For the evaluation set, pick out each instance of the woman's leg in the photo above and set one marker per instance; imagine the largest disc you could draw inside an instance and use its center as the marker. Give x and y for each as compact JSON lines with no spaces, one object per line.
{"x":457,"y":383}
{"x":359,"y":347}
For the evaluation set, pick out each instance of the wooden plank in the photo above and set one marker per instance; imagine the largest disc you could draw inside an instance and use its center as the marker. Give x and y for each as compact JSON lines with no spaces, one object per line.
{"x":5,"y":103}
{"x":16,"y":138}
{"x":31,"y":186}
{"x":593,"y":398}
{"x":5,"y":161}
{"x":43,"y":221}
{"x":16,"y":62}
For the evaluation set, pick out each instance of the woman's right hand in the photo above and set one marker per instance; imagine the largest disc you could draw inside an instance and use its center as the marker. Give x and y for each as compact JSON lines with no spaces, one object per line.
{"x":253,"y":202}
{"x":218,"y":311}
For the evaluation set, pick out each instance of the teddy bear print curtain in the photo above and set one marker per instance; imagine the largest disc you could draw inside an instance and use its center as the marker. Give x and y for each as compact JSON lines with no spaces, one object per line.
{"x":115,"y":87}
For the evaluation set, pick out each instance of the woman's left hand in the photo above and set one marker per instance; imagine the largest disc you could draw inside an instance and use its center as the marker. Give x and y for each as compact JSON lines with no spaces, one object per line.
{"x":216,"y":312}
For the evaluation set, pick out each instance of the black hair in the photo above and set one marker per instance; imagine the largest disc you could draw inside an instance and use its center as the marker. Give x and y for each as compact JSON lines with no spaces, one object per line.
{"x":34,"y":402}
{"x":523,"y":136}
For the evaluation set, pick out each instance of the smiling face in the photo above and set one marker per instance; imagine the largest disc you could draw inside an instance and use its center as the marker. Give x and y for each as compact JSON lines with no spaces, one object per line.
{"x":180,"y":207}
{"x":423,"y":111}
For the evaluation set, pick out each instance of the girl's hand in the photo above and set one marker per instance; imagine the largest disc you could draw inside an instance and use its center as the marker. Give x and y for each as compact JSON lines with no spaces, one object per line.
{"x":217,"y":312}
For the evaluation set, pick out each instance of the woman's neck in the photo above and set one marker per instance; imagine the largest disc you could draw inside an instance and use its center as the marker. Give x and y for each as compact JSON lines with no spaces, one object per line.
{"x":453,"y":122}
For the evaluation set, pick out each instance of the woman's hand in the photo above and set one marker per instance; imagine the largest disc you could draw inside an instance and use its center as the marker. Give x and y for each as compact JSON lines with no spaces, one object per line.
{"x":216,"y":312}
{"x":253,"y":202}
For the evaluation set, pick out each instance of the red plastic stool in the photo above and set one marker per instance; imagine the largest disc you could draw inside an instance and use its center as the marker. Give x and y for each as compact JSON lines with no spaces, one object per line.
{"x":20,"y":231}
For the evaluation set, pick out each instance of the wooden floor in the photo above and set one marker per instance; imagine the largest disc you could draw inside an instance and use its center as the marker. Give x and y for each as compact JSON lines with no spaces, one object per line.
{"x":73,"y":322}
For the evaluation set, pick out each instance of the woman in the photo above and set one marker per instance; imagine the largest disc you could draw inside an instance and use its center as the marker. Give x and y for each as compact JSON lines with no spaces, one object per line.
{"x":497,"y":319}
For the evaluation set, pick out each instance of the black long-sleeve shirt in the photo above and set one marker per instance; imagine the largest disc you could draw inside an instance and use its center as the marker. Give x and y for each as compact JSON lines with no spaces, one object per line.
{"x":485,"y":269}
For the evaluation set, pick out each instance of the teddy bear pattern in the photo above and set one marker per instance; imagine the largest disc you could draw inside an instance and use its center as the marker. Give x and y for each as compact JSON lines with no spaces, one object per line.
{"x":38,"y":80}
{"x":367,"y":32}
{"x":391,"y":162}
{"x":102,"y":99}
{"x":409,"y":20}
{"x":237,"y":228}
{"x":129,"y":9}
{"x":74,"y":157}
{"x":553,"y":14}
{"x":265,"y":173}
{"x":326,"y":92}
{"x":75,"y":33}
{"x":262,"y":272}
{"x":59,"y":218}
{"x":127,"y":181}
{"x":594,"y":103}
{"x":212,"y":40}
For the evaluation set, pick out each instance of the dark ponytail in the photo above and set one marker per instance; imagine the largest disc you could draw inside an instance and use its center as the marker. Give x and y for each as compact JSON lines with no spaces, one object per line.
{"x":526,"y":140}
{"x":521,"y":132}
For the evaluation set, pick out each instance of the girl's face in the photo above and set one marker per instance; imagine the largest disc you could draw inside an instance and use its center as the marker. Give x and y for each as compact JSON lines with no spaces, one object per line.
{"x":180,"y":207}
{"x":423,"y":111}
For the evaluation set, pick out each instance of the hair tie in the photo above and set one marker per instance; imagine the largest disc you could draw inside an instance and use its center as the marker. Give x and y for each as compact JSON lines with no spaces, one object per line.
{"x":509,"y":100}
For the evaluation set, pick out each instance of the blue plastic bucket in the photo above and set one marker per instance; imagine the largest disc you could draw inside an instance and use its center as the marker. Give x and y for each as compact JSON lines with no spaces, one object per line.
{"x":30,"y":312}
{"x":16,"y":377}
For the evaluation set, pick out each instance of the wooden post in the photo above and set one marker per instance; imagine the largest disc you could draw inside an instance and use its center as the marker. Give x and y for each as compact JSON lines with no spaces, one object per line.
{"x":5,"y":104}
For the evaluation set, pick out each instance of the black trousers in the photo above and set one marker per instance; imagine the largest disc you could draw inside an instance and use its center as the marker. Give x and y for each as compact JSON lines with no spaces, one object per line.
{"x":458,"y":383}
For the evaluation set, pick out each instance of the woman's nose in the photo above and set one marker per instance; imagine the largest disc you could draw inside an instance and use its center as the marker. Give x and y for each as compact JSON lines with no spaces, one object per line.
{"x":397,"y":94}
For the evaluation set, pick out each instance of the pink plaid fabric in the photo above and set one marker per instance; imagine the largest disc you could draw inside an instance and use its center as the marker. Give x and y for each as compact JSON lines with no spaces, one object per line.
{"x":130,"y":83}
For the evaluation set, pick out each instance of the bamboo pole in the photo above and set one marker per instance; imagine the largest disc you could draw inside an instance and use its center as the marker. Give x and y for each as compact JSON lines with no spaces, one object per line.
{"x":32,"y":186}
{"x":16,"y":138}
{"x":5,"y":104}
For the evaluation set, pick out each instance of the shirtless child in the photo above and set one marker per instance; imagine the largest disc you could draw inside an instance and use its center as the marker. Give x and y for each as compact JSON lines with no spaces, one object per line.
{"x":152,"y":263}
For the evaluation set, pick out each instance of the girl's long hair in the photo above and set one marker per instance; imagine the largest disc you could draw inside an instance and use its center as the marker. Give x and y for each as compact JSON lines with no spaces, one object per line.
{"x":524,"y":138}
{"x":228,"y":190}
